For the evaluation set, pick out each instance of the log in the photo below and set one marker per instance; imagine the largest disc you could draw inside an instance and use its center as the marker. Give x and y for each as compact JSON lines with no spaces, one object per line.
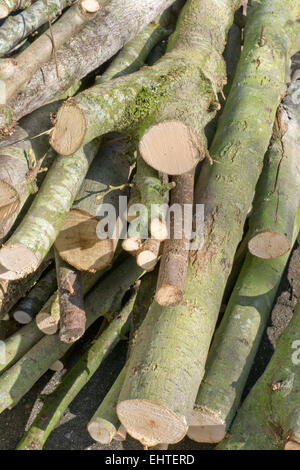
{"x":148,"y":255}
{"x":84,"y":242}
{"x":177,"y":339}
{"x":174,"y":261}
{"x":104,"y":300}
{"x":272,"y":221}
{"x":33,"y":238}
{"x":138,"y":100}
{"x":40,"y":51}
{"x":17,"y":28}
{"x":269,"y":418}
{"x":57,"y":402}
{"x":71,"y":304}
{"x":104,"y":424}
{"x":48,"y":318}
{"x":101,"y":38}
{"x":29,"y":307}
{"x":7,"y":6}
{"x":235,"y":346}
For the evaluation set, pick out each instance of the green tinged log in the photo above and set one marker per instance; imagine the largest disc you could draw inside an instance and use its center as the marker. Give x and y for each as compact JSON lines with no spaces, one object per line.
{"x":170,"y":376}
{"x":104,"y":300}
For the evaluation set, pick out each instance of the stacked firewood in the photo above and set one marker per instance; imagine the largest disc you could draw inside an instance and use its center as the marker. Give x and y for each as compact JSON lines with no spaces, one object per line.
{"x":150,"y":175}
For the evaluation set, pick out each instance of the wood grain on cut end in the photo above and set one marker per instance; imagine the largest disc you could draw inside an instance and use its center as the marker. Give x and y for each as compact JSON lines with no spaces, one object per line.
{"x":159,"y":229}
{"x":171,"y":147}
{"x":4,"y":11}
{"x":90,"y":6}
{"x":147,"y":256}
{"x":205,"y":427}
{"x":22,"y":317}
{"x":101,"y":430}
{"x":47,"y":323}
{"x":132,"y":245}
{"x":151,"y":423}
{"x":167,"y":296}
{"x":18,"y":259}
{"x":269,"y":245}
{"x":79,"y":245}
{"x":292,"y":445}
{"x":69,"y":131}
{"x":57,"y":366}
{"x":9,"y":200}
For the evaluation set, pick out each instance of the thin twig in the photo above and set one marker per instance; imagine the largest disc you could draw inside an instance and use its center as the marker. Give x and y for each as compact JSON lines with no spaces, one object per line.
{"x":52,"y":39}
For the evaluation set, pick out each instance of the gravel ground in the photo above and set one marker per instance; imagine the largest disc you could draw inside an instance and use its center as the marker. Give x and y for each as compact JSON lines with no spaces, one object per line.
{"x":71,"y":433}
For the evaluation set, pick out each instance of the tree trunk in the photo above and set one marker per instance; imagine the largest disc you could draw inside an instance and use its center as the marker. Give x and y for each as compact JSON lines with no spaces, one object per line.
{"x":81,"y":243}
{"x":29,"y":307}
{"x":168,"y":363}
{"x":153,"y":96}
{"x":38,"y":230}
{"x":272,"y":221}
{"x":174,"y":260}
{"x":235,"y":346}
{"x":97,"y":42}
{"x":71,"y":305}
{"x":269,"y":418}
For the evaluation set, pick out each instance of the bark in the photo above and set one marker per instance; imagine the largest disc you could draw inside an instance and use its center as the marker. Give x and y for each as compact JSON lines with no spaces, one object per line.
{"x":49,"y":317}
{"x":235,"y":346}
{"x":40,"y":51}
{"x":134,"y":54}
{"x":39,"y":228}
{"x":115,"y":25}
{"x":84,"y":242}
{"x":17,"y":28}
{"x":71,"y":305}
{"x":104,"y":300}
{"x":57,"y":402}
{"x":22,"y":164}
{"x":105,"y":423}
{"x":278,"y":193}
{"x":269,"y":418}
{"x":174,"y":261}
{"x":162,"y":382}
{"x":7,"y":6}
{"x":29,"y":307}
{"x":153,"y":95}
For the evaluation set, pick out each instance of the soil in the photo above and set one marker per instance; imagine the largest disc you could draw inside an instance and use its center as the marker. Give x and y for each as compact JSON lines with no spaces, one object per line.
{"x":71,"y":432}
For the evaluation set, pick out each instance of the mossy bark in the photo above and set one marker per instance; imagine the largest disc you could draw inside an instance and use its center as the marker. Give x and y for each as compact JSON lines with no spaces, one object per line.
{"x":17,"y":28}
{"x":191,"y":73}
{"x":104,"y":300}
{"x":170,"y":375}
{"x":235,"y":345}
{"x":278,"y":192}
{"x":45,"y":218}
{"x":56,"y":404}
{"x":115,"y":25}
{"x":269,"y":418}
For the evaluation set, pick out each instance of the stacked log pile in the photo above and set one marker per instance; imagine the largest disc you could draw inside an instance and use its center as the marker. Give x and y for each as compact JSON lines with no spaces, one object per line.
{"x":150,"y":174}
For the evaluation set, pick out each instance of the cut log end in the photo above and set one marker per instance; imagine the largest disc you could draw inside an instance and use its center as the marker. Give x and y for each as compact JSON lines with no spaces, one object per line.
{"x":101,"y":431}
{"x":57,"y":366}
{"x":18,"y":259}
{"x":292,"y":445}
{"x":79,"y":245}
{"x":151,"y":423}
{"x":121,"y":434}
{"x":146,"y":260}
{"x":171,"y":147}
{"x":4,"y":11}
{"x":90,"y":6}
{"x":22,"y":317}
{"x":70,"y":336}
{"x":159,"y":229}
{"x":168,"y":296}
{"x":46,"y":323}
{"x":69,"y":131}
{"x":205,"y":427}
{"x":269,"y":245}
{"x":132,"y":245}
